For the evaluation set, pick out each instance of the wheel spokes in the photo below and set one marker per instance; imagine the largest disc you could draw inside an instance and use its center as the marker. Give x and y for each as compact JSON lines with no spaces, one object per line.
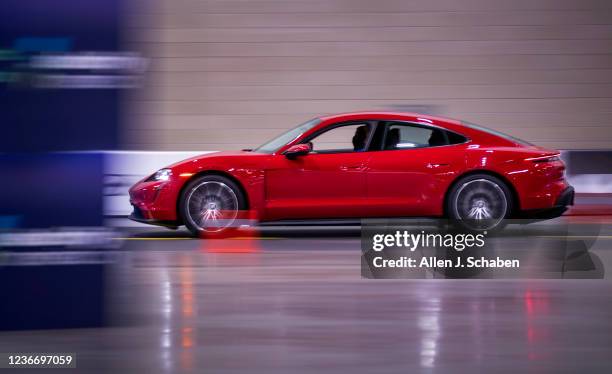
{"x":212,"y":206}
{"x":482,"y":203}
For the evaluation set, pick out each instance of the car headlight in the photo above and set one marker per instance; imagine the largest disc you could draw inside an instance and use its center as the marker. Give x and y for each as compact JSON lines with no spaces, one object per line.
{"x":161,"y":175}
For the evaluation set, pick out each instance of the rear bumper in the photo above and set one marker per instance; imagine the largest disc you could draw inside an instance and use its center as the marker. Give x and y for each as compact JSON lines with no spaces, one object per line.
{"x":565,"y":199}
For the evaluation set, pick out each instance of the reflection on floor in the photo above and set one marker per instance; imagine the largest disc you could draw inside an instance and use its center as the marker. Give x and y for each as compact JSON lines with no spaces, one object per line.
{"x":298,"y":304}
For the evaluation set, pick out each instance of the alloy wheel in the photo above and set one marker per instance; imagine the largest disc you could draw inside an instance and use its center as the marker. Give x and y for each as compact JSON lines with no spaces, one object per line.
{"x":481,"y":204}
{"x":212,"y":206}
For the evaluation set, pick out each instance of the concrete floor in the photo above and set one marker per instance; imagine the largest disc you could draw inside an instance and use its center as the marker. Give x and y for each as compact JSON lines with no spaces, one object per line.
{"x":294,"y":301}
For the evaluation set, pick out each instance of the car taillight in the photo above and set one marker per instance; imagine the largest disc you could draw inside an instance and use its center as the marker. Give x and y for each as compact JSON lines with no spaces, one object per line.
{"x":551,"y":165}
{"x":543,"y":159}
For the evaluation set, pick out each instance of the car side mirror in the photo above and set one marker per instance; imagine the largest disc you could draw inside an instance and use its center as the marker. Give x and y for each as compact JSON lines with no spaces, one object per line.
{"x":298,"y":150}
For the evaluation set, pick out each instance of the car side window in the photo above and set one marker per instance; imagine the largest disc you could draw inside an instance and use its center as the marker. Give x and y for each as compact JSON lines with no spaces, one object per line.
{"x":402,"y":136}
{"x":406,"y":136}
{"x":454,"y":138}
{"x":353,"y":137}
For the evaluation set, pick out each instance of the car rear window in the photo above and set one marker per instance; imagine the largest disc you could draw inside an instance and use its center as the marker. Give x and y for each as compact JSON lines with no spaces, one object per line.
{"x":496,"y":133}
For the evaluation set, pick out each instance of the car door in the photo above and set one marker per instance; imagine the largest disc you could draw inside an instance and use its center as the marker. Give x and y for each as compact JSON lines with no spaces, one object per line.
{"x":409,"y":174}
{"x":329,"y":182}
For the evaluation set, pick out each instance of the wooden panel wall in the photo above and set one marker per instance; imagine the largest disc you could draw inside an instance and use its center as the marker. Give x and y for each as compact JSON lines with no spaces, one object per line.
{"x":231,"y":74}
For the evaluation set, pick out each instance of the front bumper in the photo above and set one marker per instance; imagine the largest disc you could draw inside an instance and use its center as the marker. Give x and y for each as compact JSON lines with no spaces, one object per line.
{"x":138,"y":216}
{"x":155,"y":202}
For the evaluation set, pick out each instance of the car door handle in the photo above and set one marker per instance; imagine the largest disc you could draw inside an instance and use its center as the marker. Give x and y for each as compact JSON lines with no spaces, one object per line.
{"x":351,"y":167}
{"x":437,"y":165}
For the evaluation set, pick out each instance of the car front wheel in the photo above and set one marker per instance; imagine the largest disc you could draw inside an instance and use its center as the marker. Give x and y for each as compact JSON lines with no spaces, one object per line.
{"x":211,"y":204}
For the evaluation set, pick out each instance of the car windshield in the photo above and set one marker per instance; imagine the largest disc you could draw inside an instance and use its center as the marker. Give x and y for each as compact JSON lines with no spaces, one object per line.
{"x":274,"y":144}
{"x":496,"y":133}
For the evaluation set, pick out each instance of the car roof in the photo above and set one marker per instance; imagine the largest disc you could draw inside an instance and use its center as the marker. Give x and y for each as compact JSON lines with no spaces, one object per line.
{"x":403,"y":116}
{"x":422,"y":119}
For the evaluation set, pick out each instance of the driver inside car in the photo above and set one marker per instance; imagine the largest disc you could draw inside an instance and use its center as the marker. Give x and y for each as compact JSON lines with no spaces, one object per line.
{"x":360,"y":138}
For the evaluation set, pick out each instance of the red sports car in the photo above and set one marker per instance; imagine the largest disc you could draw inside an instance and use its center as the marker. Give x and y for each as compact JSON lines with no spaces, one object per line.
{"x":361,"y":165}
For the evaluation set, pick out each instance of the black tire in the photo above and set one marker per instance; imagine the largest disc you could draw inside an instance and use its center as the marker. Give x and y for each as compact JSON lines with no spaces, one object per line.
{"x":199,"y":198}
{"x":479,"y":202}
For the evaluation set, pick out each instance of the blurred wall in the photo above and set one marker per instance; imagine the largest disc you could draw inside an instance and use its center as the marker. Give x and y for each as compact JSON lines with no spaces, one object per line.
{"x":231,"y":74}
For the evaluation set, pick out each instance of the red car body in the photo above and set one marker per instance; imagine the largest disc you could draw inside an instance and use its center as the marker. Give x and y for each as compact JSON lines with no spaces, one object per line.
{"x":375,"y":183}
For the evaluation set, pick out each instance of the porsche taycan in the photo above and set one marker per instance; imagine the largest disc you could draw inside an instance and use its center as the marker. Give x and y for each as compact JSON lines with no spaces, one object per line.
{"x":360,"y":165}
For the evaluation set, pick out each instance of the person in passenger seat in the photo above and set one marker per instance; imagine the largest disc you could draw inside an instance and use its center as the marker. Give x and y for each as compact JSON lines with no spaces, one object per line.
{"x":393,"y":137}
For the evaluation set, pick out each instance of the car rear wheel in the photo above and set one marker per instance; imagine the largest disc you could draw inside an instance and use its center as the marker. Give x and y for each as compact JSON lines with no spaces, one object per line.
{"x":211,"y":204}
{"x":479,"y":202}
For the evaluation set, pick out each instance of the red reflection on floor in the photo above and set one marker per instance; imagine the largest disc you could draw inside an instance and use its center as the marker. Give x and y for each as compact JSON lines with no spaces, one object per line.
{"x":240,"y":244}
{"x":235,"y":240}
{"x":537,"y":307}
